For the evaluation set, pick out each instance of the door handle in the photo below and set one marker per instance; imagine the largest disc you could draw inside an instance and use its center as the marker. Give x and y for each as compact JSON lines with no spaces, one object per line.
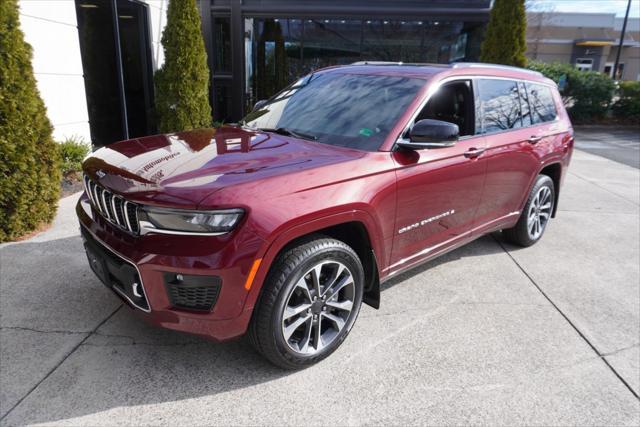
{"x":473,"y":153}
{"x":534,"y":139}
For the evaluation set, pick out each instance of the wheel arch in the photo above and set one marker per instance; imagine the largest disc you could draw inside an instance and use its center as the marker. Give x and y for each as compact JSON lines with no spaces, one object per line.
{"x":356,"y":228}
{"x":553,"y":171}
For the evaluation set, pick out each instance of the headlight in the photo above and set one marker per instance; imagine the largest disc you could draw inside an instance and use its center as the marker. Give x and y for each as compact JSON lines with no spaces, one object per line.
{"x":178,"y":221}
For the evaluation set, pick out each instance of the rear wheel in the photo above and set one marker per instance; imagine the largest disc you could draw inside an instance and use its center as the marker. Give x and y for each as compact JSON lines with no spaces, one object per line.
{"x":535,"y":215}
{"x":308,"y":304}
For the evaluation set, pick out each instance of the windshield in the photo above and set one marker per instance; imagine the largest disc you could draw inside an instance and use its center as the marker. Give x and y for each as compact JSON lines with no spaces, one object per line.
{"x":350,"y":110}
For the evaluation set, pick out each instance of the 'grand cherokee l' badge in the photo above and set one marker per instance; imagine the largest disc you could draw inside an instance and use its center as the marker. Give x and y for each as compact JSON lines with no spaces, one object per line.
{"x":425,"y":221}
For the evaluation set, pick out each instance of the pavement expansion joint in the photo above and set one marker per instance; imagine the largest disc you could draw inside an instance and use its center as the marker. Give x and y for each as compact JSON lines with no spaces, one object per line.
{"x":43,"y":331}
{"x":602,"y":357}
{"x":52,"y":370}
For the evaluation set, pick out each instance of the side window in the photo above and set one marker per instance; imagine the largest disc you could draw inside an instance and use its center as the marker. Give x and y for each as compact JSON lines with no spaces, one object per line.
{"x":498,"y":105}
{"x":524,"y":105}
{"x":543,"y":108}
{"x":452,"y":103}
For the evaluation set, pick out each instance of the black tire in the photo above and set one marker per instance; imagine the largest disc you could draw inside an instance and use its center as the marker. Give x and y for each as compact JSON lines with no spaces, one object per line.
{"x":520,"y":234}
{"x":266,"y":330}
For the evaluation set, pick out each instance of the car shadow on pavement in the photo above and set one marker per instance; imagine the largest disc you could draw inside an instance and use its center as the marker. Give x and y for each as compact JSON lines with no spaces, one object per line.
{"x":121,"y":362}
{"x":485,"y":245}
{"x":51,"y":305}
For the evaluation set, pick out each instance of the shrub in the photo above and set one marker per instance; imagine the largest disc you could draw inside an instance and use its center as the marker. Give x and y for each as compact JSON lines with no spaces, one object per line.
{"x":182,"y":84}
{"x":587,"y":94}
{"x":72,"y":151}
{"x":505,"y":39}
{"x":627,"y":106}
{"x":30,"y":163}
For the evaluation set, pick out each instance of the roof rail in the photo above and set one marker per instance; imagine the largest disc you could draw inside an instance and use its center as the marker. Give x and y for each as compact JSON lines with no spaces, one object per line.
{"x":376,"y":63}
{"x":452,"y":65}
{"x":498,"y":66}
{"x":410,"y":64}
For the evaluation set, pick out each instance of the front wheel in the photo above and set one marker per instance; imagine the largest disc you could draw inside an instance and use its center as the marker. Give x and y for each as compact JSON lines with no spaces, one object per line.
{"x":535,"y":215}
{"x":309,"y":303}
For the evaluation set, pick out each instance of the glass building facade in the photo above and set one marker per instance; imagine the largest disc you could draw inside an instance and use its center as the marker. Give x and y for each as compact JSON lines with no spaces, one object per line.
{"x":257,"y":47}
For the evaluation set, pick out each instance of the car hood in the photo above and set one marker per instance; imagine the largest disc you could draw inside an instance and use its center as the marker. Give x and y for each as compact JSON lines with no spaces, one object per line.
{"x":184,"y":168}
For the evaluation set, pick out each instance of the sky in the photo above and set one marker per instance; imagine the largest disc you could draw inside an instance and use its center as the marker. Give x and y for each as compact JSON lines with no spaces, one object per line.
{"x":595,"y":6}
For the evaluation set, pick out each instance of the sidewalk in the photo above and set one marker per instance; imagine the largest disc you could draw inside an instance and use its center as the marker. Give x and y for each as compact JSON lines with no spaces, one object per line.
{"x":488,"y":334}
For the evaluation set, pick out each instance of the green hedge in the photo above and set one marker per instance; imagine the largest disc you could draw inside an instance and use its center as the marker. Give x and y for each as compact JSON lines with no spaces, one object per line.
{"x":72,"y":151}
{"x":627,"y":106}
{"x":587,"y":94}
{"x":29,"y":158}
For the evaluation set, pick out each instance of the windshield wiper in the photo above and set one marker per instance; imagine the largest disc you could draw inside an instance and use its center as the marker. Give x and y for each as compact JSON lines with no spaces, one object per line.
{"x":291,"y":132}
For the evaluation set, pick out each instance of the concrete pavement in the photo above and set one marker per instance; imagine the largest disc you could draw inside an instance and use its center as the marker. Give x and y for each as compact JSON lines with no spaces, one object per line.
{"x":621,"y":143}
{"x":488,"y":334}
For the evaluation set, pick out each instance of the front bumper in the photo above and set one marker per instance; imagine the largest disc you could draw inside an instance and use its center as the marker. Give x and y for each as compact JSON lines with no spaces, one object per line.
{"x":142,"y":270}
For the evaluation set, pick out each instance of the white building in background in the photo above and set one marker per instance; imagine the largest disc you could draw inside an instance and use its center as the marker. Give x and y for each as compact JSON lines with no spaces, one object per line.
{"x":51,"y":28}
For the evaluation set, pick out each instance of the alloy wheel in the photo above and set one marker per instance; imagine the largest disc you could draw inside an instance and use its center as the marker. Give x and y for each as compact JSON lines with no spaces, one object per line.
{"x":318,"y":307}
{"x":539,"y":212}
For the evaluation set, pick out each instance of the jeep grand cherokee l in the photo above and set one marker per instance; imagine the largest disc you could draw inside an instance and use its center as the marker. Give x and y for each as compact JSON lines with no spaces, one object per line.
{"x":282,"y":225}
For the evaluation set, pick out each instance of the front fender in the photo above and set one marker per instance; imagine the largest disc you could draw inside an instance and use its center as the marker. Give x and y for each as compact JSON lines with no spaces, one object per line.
{"x":279,"y":239}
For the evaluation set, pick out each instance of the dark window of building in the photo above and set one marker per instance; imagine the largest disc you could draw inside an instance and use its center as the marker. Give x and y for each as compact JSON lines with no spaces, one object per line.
{"x":135,"y":47}
{"x":98,"y":52}
{"x":452,"y":103}
{"x":279,"y":51}
{"x":339,"y":108}
{"x":331,"y":42}
{"x":541,"y":102}
{"x":274,"y":56}
{"x":386,"y":40}
{"x":222,"y":96}
{"x":499,"y":105}
{"x":119,"y":93}
{"x":222,"y":44}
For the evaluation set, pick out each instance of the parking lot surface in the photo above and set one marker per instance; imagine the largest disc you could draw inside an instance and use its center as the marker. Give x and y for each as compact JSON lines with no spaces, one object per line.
{"x":621,"y":144}
{"x":488,"y":334}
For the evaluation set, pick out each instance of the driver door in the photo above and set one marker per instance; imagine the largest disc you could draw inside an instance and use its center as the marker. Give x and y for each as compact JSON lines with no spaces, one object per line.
{"x":439,"y":189}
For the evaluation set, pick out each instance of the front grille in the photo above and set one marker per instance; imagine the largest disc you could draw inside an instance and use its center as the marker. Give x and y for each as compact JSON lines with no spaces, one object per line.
{"x":189,"y":292}
{"x":112,"y":207}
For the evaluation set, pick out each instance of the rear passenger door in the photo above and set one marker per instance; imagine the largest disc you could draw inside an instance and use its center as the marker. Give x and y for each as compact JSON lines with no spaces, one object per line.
{"x":503,"y":116}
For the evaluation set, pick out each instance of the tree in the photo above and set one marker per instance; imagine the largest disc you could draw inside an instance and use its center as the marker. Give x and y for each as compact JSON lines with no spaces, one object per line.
{"x":182,"y":84}
{"x":29,"y":158}
{"x":505,"y":39}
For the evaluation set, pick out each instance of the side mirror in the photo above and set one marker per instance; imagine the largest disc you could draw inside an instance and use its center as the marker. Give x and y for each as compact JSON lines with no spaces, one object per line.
{"x":429,"y":133}
{"x":258,"y":105}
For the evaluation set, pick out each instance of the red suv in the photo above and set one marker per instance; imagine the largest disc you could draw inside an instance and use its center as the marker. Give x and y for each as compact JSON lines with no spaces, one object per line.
{"x":282,"y":225}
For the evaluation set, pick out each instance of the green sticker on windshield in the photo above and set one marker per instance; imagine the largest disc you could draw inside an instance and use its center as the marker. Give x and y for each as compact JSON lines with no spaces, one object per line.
{"x":366,"y":132}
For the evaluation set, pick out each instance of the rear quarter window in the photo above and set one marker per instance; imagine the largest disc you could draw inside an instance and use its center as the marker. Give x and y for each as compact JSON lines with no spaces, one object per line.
{"x":541,"y":104}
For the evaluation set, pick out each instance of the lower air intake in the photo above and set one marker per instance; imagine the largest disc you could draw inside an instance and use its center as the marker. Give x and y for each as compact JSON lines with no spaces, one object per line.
{"x":198,"y":293}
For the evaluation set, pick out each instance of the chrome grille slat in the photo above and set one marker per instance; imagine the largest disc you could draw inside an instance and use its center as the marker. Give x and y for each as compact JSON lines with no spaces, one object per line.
{"x":132,"y":213}
{"x":105,"y":205}
{"x":120,"y":211}
{"x":99,"y":199}
{"x":126,"y":215}
{"x":113,"y":208}
{"x":93,"y":188}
